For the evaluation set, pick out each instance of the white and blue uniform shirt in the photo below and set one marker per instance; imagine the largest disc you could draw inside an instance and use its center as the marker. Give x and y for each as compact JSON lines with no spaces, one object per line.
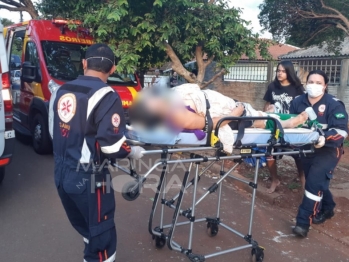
{"x":85,"y":113}
{"x":331,"y":114}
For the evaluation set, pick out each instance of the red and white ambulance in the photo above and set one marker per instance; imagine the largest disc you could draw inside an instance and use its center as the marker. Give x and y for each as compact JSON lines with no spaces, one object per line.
{"x":51,"y":54}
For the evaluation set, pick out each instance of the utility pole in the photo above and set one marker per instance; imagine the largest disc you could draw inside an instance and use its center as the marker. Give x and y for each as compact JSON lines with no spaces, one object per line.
{"x":20,"y":13}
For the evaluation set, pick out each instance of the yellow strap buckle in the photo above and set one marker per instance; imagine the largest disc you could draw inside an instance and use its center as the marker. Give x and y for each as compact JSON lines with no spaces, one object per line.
{"x":214,"y":139}
{"x":277,"y":133}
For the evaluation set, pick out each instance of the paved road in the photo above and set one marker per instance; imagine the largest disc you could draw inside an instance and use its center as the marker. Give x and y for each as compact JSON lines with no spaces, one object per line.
{"x":34,"y":228}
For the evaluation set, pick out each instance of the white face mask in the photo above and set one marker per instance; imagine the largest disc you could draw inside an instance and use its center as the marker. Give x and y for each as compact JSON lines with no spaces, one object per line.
{"x":314,"y":90}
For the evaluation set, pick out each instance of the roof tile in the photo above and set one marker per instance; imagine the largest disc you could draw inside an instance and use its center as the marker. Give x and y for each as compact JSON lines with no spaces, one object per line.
{"x":316,"y":51}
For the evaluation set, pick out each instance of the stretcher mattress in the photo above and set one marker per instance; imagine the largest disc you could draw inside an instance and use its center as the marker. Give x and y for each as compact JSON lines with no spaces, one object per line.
{"x":294,"y":136}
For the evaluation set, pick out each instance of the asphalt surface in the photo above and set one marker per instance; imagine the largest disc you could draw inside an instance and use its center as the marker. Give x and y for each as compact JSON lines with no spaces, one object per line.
{"x":34,"y":227}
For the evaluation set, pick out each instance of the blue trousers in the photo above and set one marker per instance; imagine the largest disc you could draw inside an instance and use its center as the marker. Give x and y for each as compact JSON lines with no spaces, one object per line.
{"x":318,"y":170}
{"x":90,"y":210}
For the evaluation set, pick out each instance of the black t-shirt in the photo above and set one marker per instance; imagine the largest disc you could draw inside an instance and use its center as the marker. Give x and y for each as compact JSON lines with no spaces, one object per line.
{"x":282,"y":96}
{"x":173,"y":81}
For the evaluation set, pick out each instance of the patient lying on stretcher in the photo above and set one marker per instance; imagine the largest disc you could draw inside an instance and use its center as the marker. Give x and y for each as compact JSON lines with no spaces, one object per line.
{"x":184,"y":107}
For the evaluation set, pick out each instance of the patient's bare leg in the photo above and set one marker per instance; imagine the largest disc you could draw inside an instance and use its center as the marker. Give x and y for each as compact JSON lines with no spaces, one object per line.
{"x":295,"y":121}
{"x":260,"y":123}
{"x":289,"y":123}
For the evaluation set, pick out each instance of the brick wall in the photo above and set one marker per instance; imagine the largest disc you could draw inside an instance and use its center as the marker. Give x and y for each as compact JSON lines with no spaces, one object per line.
{"x":248,"y":92}
{"x":252,"y":92}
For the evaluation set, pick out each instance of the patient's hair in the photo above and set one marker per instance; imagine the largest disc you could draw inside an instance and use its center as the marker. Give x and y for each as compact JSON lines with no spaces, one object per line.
{"x":140,"y":114}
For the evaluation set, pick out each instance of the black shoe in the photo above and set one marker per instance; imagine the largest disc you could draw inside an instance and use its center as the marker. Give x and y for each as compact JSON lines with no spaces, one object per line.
{"x":300,"y":231}
{"x":322,"y":216}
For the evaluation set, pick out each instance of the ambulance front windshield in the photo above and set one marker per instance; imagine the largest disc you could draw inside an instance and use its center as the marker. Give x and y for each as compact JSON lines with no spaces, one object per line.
{"x":63,"y":62}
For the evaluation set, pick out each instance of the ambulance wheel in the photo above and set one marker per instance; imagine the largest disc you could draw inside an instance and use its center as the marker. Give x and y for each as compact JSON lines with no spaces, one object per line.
{"x":2,"y":174}
{"x":257,"y":254}
{"x":212,"y":229}
{"x":40,"y":135}
{"x":130,"y":191}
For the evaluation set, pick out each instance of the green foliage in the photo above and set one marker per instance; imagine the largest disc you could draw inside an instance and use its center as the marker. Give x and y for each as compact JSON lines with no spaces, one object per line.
{"x":139,"y":31}
{"x":6,"y":22}
{"x":293,"y":185}
{"x":285,"y":21}
{"x":346,"y":143}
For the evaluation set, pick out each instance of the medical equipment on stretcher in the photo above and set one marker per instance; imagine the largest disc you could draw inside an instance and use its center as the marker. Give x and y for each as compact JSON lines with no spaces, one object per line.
{"x":313,"y":119}
{"x":276,"y":142}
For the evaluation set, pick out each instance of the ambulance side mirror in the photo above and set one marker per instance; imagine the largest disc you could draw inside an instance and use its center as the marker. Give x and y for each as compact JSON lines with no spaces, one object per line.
{"x":28,"y":72}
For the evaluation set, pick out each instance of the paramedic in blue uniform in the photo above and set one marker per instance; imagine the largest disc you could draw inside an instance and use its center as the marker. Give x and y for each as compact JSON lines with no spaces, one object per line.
{"x":318,"y":204}
{"x":87,"y":126}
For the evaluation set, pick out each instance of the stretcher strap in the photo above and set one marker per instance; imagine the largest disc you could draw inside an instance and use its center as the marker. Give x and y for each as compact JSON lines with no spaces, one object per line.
{"x":240,"y":135}
{"x":276,"y":136}
{"x":208,"y":121}
{"x":278,"y":133}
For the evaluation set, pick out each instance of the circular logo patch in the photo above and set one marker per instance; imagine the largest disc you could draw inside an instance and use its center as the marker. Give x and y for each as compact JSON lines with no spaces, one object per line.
{"x":115,"y":120}
{"x":322,"y":108}
{"x":66,"y":107}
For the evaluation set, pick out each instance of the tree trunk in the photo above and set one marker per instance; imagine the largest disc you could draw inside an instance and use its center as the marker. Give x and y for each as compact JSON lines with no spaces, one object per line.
{"x":25,"y":6}
{"x":33,"y":14}
{"x":202,"y":65}
{"x":31,"y":9}
{"x":177,"y":65}
{"x":141,"y":77}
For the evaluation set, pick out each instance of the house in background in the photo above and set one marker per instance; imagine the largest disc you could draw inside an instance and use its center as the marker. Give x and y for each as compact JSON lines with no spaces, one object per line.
{"x":248,"y":80}
{"x":336,"y":67}
{"x":259,"y":70}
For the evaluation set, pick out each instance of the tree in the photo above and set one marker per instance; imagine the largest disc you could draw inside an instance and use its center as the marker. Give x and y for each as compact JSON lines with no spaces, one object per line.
{"x":6,"y":22}
{"x":147,"y":32}
{"x":306,"y":22}
{"x":20,"y":5}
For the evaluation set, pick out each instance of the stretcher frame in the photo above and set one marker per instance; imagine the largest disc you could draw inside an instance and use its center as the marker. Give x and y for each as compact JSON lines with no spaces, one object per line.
{"x":131,"y":190}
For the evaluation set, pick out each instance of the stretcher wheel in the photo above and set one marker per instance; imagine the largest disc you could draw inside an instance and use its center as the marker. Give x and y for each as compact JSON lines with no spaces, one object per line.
{"x":212,"y":229}
{"x":130,"y":191}
{"x":159,"y":241}
{"x":196,"y":258}
{"x":257,"y":254}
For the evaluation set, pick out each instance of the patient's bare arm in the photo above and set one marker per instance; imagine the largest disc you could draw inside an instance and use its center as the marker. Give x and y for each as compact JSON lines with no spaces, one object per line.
{"x":236,"y":112}
{"x":186,"y":119}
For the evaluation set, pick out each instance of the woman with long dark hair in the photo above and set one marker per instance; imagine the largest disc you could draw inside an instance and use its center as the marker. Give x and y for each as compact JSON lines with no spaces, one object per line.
{"x":285,"y":87}
{"x":318,"y":204}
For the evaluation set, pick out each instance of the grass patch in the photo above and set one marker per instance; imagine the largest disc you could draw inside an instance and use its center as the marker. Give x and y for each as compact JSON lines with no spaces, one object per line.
{"x":346,"y":143}
{"x":293,"y":185}
{"x":250,"y":175}
{"x":260,"y":175}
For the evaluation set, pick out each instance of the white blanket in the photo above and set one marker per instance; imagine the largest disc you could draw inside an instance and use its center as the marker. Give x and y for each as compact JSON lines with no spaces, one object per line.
{"x":220,"y":106}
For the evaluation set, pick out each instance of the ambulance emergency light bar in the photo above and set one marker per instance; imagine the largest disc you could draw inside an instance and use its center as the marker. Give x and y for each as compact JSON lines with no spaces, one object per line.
{"x":65,"y":22}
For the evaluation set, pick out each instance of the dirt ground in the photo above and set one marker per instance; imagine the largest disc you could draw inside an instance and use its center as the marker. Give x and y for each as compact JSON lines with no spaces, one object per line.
{"x":289,"y":194}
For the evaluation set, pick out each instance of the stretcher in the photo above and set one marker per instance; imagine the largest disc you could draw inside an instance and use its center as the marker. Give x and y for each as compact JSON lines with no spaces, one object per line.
{"x":277,"y":142}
